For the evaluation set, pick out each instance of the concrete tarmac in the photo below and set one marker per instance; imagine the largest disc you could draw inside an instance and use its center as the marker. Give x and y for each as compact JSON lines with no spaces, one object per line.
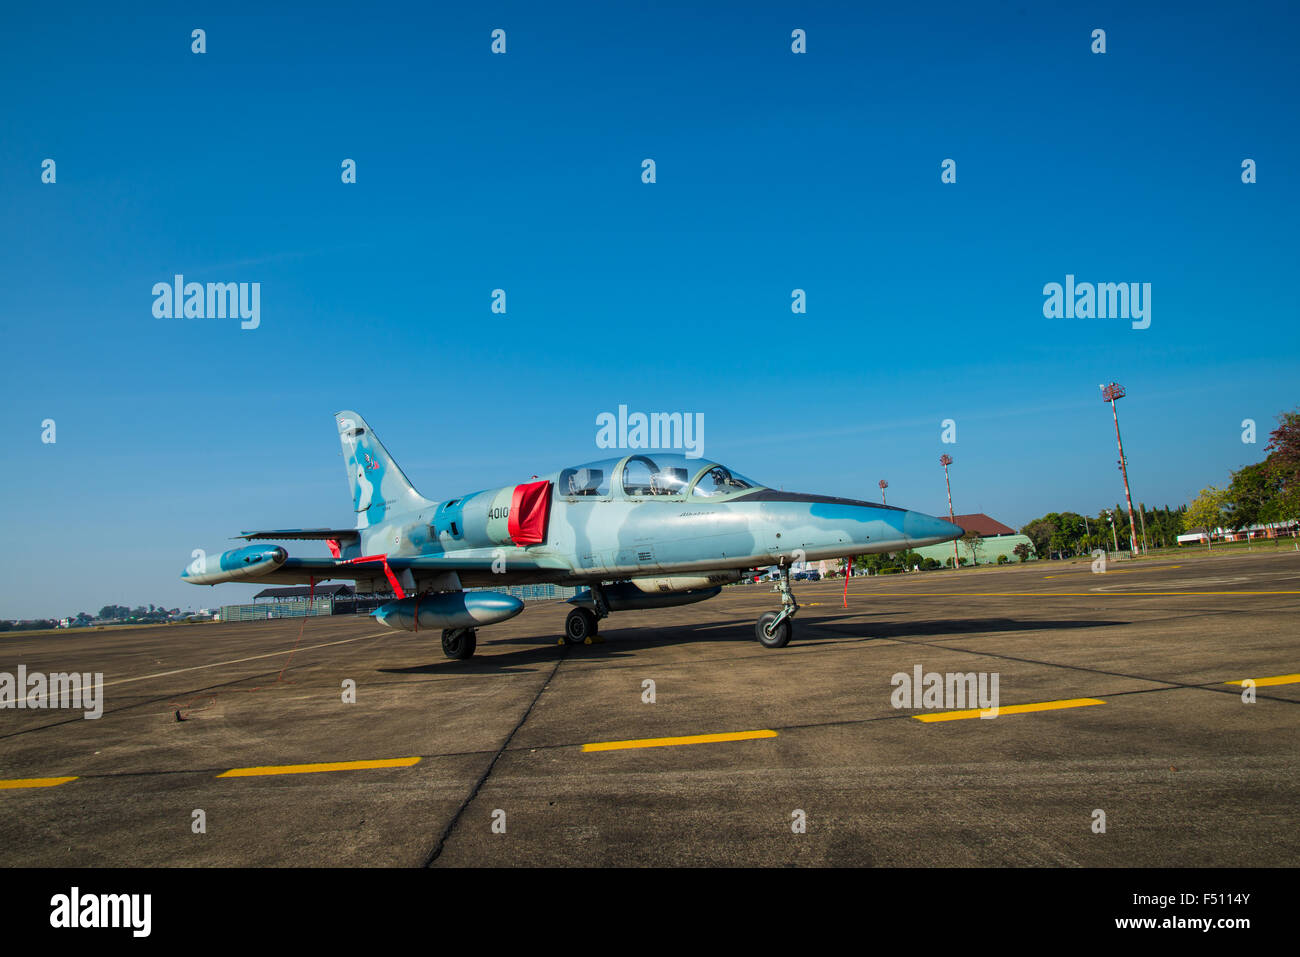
{"x":1132,"y":668}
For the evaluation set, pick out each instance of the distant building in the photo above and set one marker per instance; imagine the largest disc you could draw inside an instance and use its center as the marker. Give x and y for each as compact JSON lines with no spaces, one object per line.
{"x":986,"y":526}
{"x":998,"y":539}
{"x":297,"y":601}
{"x":1198,"y":536}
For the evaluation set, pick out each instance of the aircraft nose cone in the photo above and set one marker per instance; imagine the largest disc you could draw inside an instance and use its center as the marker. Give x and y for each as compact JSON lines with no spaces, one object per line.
{"x":922,"y":529}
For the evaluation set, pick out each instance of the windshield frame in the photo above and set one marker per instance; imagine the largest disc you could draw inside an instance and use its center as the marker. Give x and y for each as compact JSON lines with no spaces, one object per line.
{"x":749,"y":484}
{"x":618,"y":472}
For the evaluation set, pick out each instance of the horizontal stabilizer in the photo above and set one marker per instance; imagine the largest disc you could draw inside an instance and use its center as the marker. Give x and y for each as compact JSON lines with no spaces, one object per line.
{"x":343,"y":536}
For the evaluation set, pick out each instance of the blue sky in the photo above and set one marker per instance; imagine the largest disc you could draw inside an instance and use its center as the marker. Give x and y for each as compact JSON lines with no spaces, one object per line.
{"x":775,"y":171}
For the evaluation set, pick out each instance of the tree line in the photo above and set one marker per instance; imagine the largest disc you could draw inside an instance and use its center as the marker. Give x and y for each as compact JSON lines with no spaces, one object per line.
{"x":153,"y":614}
{"x":1265,"y":493}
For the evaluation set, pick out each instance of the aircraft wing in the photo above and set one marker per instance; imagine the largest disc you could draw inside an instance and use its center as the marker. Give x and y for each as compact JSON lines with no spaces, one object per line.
{"x":271,"y":565}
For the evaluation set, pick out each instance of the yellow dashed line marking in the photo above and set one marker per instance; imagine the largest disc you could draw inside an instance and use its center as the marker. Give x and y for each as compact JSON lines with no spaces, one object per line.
{"x":1010,"y":709}
{"x":316,"y":768}
{"x":670,"y":742}
{"x":1266,"y":682}
{"x":33,"y":783}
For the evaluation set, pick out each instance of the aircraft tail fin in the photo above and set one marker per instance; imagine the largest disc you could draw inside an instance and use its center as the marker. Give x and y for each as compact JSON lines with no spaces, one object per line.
{"x":378,"y":485}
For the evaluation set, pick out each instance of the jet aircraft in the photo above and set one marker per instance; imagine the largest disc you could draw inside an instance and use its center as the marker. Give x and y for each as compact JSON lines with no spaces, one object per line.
{"x":645,"y":530}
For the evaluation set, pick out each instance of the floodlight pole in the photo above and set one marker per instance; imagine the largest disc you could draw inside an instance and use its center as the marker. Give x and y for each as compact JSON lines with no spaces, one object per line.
{"x":883,"y":485}
{"x":1112,"y":393}
{"x":945,"y":460}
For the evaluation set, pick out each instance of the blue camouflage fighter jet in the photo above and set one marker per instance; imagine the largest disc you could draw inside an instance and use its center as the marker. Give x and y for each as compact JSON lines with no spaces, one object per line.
{"x":647,"y":530}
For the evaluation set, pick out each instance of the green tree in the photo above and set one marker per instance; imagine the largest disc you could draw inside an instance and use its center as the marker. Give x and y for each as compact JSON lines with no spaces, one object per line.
{"x":909,"y":559}
{"x":1207,"y":512}
{"x":1164,"y":525}
{"x":1069,"y":537}
{"x":1254,"y":497}
{"x":1040,"y":532}
{"x":1283,"y":464}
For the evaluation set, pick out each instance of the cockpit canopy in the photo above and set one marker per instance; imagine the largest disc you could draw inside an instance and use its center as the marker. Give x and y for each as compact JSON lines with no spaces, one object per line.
{"x":652,"y":474}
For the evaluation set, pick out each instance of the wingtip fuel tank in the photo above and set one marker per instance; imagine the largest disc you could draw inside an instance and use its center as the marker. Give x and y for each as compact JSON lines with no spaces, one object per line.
{"x":238,"y":564}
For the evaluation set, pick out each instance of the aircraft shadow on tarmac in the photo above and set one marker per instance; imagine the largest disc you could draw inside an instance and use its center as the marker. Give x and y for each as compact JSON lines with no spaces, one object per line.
{"x":952,"y":627}
{"x":618,"y":643}
{"x":625,"y":642}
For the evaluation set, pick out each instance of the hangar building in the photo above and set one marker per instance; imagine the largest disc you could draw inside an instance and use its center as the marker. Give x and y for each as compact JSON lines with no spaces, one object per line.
{"x":998,"y":540}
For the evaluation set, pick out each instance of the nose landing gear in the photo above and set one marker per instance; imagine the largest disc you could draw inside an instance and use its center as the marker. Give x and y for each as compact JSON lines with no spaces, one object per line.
{"x":774,"y":629}
{"x":582,"y":624}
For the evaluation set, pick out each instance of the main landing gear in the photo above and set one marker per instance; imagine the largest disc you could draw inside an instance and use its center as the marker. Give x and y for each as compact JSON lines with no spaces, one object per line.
{"x":774,"y":628}
{"x":582,"y":624}
{"x":459,"y":643}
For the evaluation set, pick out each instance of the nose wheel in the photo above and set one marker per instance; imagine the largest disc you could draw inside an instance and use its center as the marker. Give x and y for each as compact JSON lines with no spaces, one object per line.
{"x":580,"y":625}
{"x":774,"y":629}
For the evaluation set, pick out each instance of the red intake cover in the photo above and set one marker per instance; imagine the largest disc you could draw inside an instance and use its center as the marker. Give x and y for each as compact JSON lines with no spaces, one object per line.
{"x":530,"y":507}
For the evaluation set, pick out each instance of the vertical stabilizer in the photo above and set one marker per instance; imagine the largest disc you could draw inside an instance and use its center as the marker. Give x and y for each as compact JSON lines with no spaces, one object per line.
{"x":379,"y":487}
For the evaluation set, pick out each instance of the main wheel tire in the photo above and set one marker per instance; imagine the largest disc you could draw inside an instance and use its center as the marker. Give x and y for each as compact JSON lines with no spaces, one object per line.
{"x":459,"y":643}
{"x":579,"y":626}
{"x":779,"y":637}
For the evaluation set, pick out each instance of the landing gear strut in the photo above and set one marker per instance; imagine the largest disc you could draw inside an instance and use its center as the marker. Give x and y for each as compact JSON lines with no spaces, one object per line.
{"x":774,"y":628}
{"x":582,"y":624}
{"x":459,"y":643}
